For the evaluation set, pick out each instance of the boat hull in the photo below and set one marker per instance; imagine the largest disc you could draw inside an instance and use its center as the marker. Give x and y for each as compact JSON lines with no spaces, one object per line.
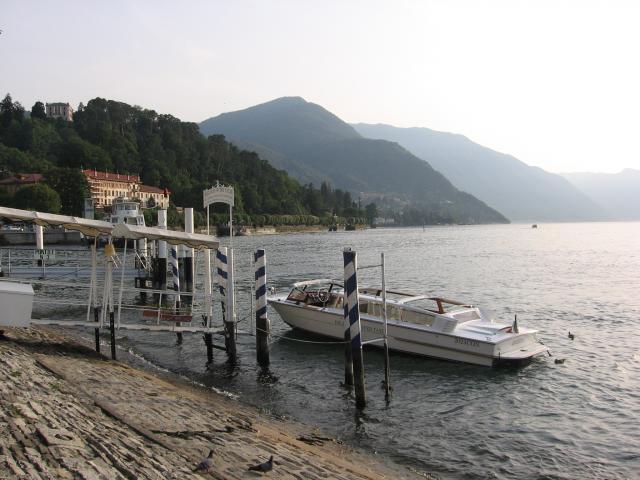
{"x":406,"y":338}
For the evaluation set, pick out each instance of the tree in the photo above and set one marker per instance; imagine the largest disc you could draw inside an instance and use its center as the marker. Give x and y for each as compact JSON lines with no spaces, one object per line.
{"x":40,"y":197}
{"x":6,"y":110}
{"x":72,"y":188}
{"x":38,"y":111}
{"x":371,"y":212}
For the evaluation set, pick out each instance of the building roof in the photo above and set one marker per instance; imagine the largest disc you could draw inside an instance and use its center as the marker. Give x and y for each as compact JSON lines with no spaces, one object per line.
{"x":22,"y":179}
{"x":150,"y":189}
{"x":59,"y":104}
{"x":114,"y":177}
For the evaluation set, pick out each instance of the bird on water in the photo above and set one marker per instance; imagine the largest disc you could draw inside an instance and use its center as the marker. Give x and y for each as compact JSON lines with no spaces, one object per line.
{"x":571,"y":336}
{"x":559,"y":361}
{"x":206,"y":463}
{"x":263,"y":467}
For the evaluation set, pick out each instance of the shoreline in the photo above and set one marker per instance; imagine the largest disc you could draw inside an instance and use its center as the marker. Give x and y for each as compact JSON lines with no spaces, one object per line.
{"x":68,"y":412}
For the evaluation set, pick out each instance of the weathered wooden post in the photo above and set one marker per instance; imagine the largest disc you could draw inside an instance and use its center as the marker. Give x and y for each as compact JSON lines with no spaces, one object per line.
{"x":353,"y":313}
{"x":112,"y":329}
{"x":208,"y":341}
{"x":263,"y":327}
{"x":96,"y":317}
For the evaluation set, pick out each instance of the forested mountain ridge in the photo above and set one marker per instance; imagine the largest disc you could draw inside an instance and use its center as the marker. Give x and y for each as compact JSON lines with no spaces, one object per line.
{"x":114,"y":136}
{"x":314,"y":145}
{"x":519,"y":191}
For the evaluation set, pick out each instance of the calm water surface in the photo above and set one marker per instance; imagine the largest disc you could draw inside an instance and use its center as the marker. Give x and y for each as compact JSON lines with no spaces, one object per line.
{"x":576,"y":420}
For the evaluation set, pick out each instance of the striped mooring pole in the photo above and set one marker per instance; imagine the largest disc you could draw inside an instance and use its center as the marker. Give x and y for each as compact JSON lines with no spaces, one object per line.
{"x":222,"y":269}
{"x":352,"y":313}
{"x":176,"y":284}
{"x":263,"y":327}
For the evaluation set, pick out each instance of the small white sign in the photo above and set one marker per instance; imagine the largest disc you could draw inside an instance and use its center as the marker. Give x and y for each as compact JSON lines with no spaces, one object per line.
{"x":44,"y":255}
{"x":218,"y":194}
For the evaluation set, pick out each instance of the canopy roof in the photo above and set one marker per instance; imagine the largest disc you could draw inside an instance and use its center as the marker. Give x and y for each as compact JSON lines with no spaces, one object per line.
{"x":94,"y":228}
{"x":193,"y":240}
{"x":90,"y":228}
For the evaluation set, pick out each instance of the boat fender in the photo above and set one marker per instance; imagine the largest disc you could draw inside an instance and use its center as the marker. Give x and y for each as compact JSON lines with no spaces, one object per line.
{"x":109,"y":250}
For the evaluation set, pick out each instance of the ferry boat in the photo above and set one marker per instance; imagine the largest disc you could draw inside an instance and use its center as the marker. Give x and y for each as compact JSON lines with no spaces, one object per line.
{"x":416,"y":324}
{"x":124,"y":210}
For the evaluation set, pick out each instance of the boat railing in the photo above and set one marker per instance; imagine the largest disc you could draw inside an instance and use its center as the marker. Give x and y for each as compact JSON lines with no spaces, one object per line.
{"x":56,"y":263}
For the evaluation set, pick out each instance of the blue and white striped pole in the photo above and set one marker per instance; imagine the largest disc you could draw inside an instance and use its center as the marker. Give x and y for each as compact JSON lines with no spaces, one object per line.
{"x":352,"y":314}
{"x":176,"y":274}
{"x":221,"y":278}
{"x":263,"y":327}
{"x":222,"y":268}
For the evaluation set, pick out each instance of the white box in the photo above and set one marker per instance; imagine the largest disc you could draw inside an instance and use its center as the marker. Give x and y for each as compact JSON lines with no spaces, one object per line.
{"x":16,"y":304}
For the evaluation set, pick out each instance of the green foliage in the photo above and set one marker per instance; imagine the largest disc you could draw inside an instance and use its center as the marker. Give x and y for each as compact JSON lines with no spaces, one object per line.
{"x":71,"y":185}
{"x":112,"y":136}
{"x":13,"y":161}
{"x":40,"y":197}
{"x":38,"y":111}
{"x":371,"y":212}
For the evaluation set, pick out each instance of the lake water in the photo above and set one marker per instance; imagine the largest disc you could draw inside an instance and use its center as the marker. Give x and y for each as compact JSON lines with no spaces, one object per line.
{"x":575,"y":420}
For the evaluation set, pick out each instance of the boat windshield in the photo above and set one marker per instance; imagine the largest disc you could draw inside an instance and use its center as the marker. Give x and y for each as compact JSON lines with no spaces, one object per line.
{"x":316,"y":296}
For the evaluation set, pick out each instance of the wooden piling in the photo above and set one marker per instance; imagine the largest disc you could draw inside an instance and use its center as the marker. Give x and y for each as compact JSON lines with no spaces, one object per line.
{"x":208,"y":341}
{"x":353,"y":311}
{"x":96,"y":317}
{"x":263,"y":327}
{"x":112,"y":329}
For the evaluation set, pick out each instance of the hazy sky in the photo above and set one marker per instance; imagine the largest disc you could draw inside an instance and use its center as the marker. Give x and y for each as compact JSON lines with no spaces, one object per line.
{"x":557,"y":83}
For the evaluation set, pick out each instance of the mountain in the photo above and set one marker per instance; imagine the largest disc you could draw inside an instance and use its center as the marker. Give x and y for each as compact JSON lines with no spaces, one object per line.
{"x":617,"y":193}
{"x":520,"y":192}
{"x":314,"y":145}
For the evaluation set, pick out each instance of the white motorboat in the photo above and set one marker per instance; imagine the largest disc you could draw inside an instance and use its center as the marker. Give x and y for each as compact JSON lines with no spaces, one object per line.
{"x":416,"y":324}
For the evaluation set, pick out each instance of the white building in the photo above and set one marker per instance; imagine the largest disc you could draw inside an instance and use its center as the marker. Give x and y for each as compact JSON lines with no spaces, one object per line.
{"x":106,"y":186}
{"x":59,"y":110}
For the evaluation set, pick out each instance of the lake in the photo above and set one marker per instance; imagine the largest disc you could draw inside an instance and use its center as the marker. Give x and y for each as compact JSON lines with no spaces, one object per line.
{"x":575,"y":420}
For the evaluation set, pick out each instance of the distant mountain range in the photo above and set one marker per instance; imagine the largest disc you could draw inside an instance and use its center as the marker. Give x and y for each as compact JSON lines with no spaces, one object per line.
{"x":520,"y":192}
{"x":617,"y":193}
{"x":314,"y":145}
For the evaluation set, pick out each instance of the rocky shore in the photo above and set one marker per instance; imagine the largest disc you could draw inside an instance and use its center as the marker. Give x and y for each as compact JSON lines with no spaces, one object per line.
{"x":67,"y":412}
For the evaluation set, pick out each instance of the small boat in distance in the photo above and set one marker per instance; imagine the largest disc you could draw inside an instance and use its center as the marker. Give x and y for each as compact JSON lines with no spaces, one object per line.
{"x":416,"y":324}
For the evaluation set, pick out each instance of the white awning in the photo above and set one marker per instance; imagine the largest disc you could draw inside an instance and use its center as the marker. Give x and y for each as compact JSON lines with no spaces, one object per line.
{"x":192,"y":240}
{"x":88,"y":227}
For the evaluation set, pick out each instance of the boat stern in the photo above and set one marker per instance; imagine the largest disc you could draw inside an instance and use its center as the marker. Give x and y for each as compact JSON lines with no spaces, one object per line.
{"x":519,"y":348}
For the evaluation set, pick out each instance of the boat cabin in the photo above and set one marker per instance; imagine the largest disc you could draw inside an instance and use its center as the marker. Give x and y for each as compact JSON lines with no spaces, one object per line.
{"x":401,"y":306}
{"x":126,"y":211}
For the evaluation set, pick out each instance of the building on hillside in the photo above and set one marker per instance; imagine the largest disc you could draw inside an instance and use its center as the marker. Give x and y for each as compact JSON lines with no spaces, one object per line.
{"x":13,"y":183}
{"x":59,"y":110}
{"x":105,"y":187}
